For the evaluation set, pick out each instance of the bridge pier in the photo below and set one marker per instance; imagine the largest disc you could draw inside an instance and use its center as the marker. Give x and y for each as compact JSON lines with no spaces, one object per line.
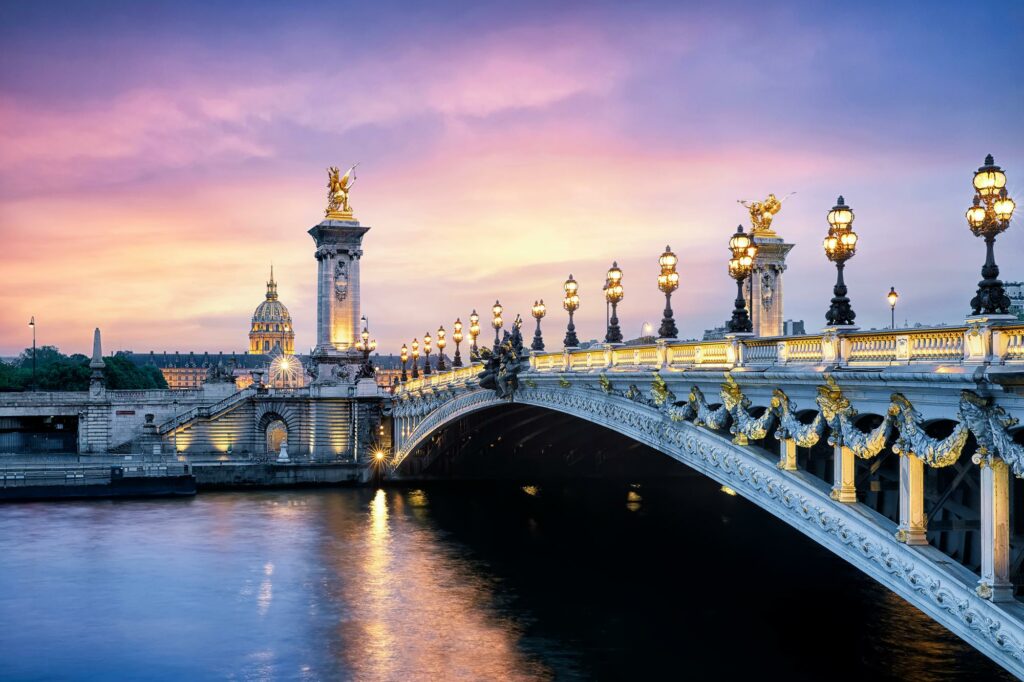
{"x":995,"y":531}
{"x":913,"y":526}
{"x":844,"y":467}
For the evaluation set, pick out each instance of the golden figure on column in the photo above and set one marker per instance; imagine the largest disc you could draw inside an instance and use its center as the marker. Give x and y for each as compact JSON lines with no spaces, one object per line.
{"x":338,"y":207}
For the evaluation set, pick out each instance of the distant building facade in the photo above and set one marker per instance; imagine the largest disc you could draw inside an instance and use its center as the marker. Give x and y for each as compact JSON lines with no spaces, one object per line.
{"x":1015,"y":290}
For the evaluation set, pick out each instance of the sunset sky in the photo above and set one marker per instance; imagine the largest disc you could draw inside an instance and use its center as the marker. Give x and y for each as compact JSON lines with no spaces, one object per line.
{"x":155,"y":158}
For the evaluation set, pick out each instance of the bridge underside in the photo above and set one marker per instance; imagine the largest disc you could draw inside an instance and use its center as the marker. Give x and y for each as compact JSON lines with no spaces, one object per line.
{"x":550,"y":432}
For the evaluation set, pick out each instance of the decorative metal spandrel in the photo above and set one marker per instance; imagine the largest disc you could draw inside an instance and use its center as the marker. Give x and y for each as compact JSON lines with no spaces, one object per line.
{"x":804,"y":435}
{"x":705,"y":416}
{"x":990,"y":425}
{"x":912,"y":439}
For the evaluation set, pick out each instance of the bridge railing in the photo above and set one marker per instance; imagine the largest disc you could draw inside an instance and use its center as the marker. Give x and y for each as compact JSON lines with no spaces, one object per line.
{"x":951,"y":345}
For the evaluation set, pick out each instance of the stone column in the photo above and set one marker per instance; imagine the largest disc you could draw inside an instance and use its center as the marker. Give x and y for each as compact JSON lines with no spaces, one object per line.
{"x":913,"y":526}
{"x":843,"y":488}
{"x":787,"y":454}
{"x":995,"y":531}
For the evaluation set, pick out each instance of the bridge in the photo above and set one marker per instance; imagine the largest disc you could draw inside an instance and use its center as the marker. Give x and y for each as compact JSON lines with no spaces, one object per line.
{"x":811,"y":429}
{"x":898,"y":450}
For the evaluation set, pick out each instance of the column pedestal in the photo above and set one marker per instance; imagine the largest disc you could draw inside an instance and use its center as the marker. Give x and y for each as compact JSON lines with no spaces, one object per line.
{"x":843,"y":488}
{"x":913,"y":526}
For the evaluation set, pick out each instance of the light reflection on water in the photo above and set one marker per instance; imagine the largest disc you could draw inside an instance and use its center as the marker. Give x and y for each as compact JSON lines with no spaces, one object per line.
{"x":409,"y":585}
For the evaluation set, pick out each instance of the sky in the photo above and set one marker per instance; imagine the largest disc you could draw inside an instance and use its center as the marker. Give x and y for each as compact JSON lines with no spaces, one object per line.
{"x":156,"y":158}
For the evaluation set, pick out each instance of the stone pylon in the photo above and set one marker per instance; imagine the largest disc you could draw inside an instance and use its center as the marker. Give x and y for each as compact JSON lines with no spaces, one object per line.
{"x":338,"y":250}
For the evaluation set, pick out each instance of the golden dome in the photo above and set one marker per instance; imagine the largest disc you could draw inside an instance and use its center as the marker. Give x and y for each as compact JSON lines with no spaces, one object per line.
{"x":271,"y":324}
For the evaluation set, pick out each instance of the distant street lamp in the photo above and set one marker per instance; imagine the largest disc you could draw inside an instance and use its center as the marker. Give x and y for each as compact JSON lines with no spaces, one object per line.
{"x":457,"y":338}
{"x":892,"y":296}
{"x":539,"y":310}
{"x":668,"y":281}
{"x":571,"y":303}
{"x":741,"y":264}
{"x":474,"y":331}
{"x":32,"y":323}
{"x":613,"y":294}
{"x":496,"y":321}
{"x":405,"y":358}
{"x":441,"y":343}
{"x":840,"y":246}
{"x":415,"y":359}
{"x":426,"y":353}
{"x":989,"y":216}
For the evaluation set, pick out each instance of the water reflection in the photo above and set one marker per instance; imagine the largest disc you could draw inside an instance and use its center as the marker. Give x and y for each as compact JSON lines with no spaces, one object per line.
{"x":453,"y":584}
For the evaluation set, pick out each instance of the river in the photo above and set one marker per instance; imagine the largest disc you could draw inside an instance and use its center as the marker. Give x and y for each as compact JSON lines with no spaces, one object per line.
{"x":593,"y":580}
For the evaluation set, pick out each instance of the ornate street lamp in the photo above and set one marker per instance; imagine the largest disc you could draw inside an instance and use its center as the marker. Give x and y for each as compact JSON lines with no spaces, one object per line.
{"x":840,"y":246}
{"x":668,"y":281}
{"x":457,"y":338}
{"x":415,"y":359}
{"x":539,"y":310}
{"x":571,"y":303}
{"x":892,"y":297}
{"x":989,"y":216}
{"x":496,"y":322}
{"x":426,"y":353}
{"x":405,"y":358}
{"x":474,"y":331}
{"x":613,"y":294}
{"x":441,"y":343}
{"x":366,"y":345}
{"x":744,"y":251}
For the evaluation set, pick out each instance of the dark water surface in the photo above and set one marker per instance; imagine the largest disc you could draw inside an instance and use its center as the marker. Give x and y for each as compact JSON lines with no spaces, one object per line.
{"x":464,"y":582}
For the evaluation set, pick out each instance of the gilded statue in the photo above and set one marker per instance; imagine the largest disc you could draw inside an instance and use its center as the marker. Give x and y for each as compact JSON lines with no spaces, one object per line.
{"x":762,"y":212}
{"x":337,"y":193}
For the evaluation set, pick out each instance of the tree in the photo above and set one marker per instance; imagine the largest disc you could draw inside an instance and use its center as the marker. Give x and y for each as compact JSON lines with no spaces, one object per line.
{"x":58,"y":372}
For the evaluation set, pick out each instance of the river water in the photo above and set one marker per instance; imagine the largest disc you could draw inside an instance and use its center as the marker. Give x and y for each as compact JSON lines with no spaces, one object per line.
{"x":594,"y":580}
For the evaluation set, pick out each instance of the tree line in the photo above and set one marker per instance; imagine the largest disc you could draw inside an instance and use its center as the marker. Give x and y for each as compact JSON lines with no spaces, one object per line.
{"x":58,"y":372}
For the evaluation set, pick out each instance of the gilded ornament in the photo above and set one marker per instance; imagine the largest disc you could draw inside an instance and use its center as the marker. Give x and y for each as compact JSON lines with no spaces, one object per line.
{"x":606,"y":385}
{"x":659,"y":390}
{"x":338,"y":188}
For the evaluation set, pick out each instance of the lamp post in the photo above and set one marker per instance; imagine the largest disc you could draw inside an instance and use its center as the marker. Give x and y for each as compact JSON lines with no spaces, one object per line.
{"x":366,"y":345}
{"x":892,"y":297}
{"x":32,"y":323}
{"x":457,"y":338}
{"x":405,"y":358}
{"x":613,"y":294}
{"x":415,"y":359}
{"x":474,"y":331}
{"x":989,"y":216}
{"x":840,"y":246}
{"x":571,"y":303}
{"x":496,"y":322}
{"x":741,"y":265}
{"x":441,"y":343}
{"x":426,"y":353}
{"x":668,"y":281}
{"x":539,"y":310}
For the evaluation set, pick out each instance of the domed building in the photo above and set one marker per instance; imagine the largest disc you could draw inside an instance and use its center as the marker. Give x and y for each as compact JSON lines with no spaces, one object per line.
{"x":271,"y":325}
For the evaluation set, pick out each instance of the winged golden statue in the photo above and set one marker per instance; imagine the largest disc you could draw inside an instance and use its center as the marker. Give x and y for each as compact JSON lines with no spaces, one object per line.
{"x":338,"y":207}
{"x":762,"y":212}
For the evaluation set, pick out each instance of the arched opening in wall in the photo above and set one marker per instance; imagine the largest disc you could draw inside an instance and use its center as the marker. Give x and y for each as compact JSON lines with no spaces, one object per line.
{"x":276,"y":433}
{"x":952,"y":501}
